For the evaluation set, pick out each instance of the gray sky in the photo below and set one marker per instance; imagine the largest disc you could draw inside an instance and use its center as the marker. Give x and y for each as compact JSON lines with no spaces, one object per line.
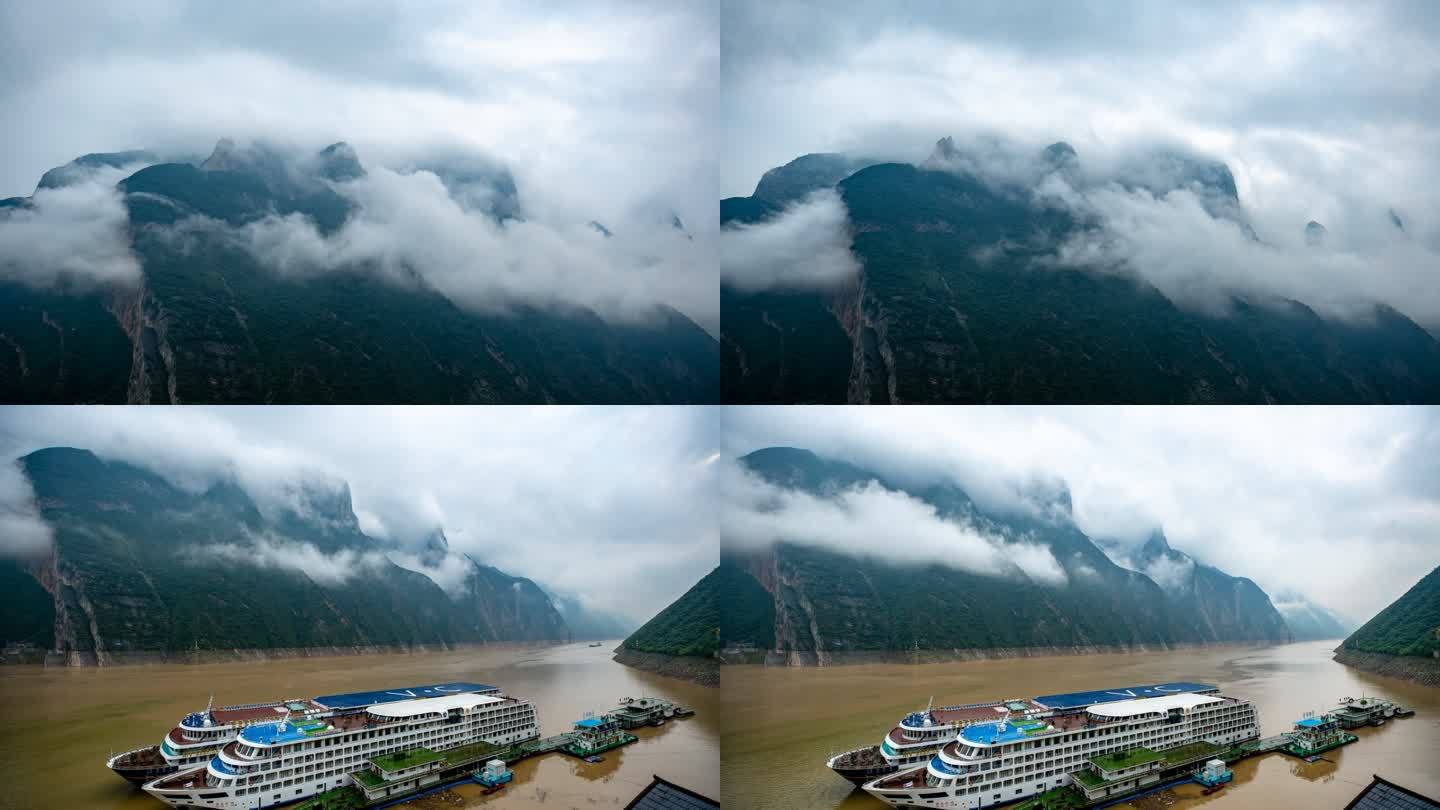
{"x":1323,"y":110}
{"x":602,"y":110}
{"x":1339,"y":504}
{"x":584,"y":500}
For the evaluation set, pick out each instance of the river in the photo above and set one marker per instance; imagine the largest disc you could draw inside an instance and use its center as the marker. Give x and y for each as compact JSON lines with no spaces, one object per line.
{"x":58,"y":725}
{"x":780,"y":724}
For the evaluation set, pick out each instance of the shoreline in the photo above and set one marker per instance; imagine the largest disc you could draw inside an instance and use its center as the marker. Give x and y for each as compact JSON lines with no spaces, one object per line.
{"x":703,"y":671}
{"x":811,"y":658}
{"x":1412,"y":668}
{"x":131,"y":658}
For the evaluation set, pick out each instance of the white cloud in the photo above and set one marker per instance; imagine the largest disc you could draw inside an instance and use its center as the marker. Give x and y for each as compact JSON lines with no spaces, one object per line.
{"x":580,"y":499}
{"x":406,"y":224}
{"x":74,"y":234}
{"x":278,"y":553}
{"x":873,"y":521}
{"x":1198,"y":260}
{"x":807,"y":246}
{"x":22,"y":531}
{"x":1322,"y":110}
{"x":1327,"y":502}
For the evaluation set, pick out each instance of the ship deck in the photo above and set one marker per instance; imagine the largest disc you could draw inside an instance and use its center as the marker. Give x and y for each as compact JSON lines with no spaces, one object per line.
{"x":187,"y":779}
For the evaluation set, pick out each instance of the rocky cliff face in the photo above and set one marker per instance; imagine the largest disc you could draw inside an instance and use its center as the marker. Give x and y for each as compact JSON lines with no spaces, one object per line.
{"x":208,"y":321}
{"x":814,"y":605}
{"x":141,"y":566}
{"x":957,"y":304}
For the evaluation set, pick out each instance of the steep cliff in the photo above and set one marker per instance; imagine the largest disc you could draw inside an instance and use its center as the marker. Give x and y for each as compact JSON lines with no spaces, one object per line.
{"x":817,"y":604}
{"x":960,"y":300}
{"x":141,"y":565}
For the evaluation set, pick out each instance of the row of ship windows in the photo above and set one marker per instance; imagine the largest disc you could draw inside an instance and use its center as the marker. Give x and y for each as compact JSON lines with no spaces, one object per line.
{"x":343,"y":738}
{"x":341,"y":765}
{"x":1083,"y":753}
{"x":344,"y":755}
{"x":1065,"y":741}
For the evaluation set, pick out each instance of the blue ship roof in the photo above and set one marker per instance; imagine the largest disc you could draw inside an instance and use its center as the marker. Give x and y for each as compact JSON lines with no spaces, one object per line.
{"x":589,"y":722}
{"x":1075,"y":700}
{"x":1309,"y":722}
{"x":991,"y":733}
{"x":355,"y":700}
{"x":270,"y":733}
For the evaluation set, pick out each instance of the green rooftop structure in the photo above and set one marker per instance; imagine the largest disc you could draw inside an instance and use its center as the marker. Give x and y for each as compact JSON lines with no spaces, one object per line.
{"x":400,"y":772}
{"x":1119,"y":772}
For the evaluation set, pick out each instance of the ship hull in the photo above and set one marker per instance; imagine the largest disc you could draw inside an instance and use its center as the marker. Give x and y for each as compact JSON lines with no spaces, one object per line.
{"x":861,"y":765}
{"x":141,"y":765}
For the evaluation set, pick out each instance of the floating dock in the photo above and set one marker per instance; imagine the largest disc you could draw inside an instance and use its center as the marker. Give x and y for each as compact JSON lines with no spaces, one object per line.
{"x":1153,"y":771}
{"x":400,"y":777}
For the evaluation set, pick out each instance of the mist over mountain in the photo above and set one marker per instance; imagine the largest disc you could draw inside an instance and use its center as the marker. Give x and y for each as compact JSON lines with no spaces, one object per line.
{"x":265,"y":273}
{"x":995,"y":271}
{"x":806,"y":577}
{"x":139,"y":566}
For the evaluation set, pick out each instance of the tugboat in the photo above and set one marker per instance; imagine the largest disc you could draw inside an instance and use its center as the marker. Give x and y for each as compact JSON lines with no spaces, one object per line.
{"x":1214,"y":776}
{"x":493,"y":777}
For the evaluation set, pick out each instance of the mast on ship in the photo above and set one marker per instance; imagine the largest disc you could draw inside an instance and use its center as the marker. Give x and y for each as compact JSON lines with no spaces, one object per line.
{"x":210,"y":707}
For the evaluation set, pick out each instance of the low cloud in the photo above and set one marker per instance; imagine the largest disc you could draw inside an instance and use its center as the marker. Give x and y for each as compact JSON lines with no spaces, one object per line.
{"x":450,"y":573}
{"x":22,"y":531}
{"x":806,"y":247}
{"x":408,"y":228}
{"x":77,"y":235}
{"x":272,"y":552}
{"x":870,"y":520}
{"x":1170,"y":573}
{"x":476,"y":475}
{"x":1199,"y":261}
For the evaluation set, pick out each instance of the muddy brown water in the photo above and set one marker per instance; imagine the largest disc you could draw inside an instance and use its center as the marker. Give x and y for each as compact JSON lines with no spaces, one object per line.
{"x":780,"y":724}
{"x":58,"y":725}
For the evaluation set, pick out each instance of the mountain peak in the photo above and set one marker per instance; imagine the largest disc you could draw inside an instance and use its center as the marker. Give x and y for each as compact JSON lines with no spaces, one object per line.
{"x":1156,"y":545}
{"x":339,"y":162}
{"x":1060,"y":155}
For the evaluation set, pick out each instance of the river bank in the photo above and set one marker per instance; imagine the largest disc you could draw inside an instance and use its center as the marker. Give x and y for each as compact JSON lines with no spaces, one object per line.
{"x":1424,"y":671}
{"x":704,"y":671}
{"x":807,"y":658}
{"x":120,"y":658}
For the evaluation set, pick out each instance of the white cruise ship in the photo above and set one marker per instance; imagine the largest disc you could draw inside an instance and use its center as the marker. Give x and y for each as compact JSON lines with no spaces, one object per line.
{"x":1107,"y":742}
{"x":266,"y":755}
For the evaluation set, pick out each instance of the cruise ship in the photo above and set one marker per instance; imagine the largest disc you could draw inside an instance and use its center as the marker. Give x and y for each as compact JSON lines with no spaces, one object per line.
{"x":915,"y":740}
{"x":1107,"y":742}
{"x":272,"y":754}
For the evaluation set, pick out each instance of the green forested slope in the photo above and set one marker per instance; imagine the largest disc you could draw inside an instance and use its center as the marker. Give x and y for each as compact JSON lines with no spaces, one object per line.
{"x":1409,"y":626}
{"x":690,"y":626}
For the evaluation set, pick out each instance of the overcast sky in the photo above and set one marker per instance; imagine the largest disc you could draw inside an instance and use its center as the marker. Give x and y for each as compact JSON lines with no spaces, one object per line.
{"x":1340,"y":504}
{"x":602,"y":110}
{"x":1322,"y":110}
{"x":586,"y":501}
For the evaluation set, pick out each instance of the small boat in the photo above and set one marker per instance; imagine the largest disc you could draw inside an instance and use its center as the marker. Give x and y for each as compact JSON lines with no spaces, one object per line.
{"x":592,"y":759}
{"x":1380,"y":722}
{"x":596,"y":644}
{"x":494,"y":789}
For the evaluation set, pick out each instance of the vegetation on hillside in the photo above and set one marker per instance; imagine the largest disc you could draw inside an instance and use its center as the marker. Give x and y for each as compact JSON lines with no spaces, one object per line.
{"x":1409,"y":626}
{"x":690,"y":626}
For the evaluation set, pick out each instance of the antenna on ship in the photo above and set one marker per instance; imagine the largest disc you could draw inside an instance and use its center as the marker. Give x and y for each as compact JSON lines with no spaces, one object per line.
{"x":208,"y":708}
